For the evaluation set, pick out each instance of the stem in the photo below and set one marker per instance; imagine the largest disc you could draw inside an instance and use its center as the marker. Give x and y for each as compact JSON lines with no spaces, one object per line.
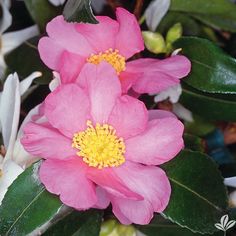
{"x":224,"y":232}
{"x":138,"y":8}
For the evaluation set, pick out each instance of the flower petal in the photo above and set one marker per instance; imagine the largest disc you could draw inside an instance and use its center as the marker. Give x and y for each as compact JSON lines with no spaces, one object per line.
{"x":129,"y":38}
{"x":129,"y":117}
{"x":129,"y":211}
{"x":67,"y":109}
{"x":108,"y":180}
{"x":159,"y":114}
{"x":103,"y":88}
{"x":46,"y":142}
{"x":161,"y":141}
{"x":10,"y":172}
{"x":67,"y":179}
{"x":100,"y":36}
{"x":158,"y":75}
{"x":150,"y":182}
{"x":70,"y":66}
{"x":103,"y":198}
{"x":60,"y":31}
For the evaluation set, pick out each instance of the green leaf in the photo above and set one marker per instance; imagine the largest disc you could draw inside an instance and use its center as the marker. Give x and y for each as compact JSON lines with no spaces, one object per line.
{"x":212,"y":70}
{"x":198,"y":197}
{"x":29,"y":52}
{"x":162,"y":227}
{"x":79,"y":11}
{"x":78,"y":223}
{"x":218,"y":13}
{"x":27,"y":205}
{"x":193,"y":143}
{"x":207,"y":106}
{"x":41,"y":11}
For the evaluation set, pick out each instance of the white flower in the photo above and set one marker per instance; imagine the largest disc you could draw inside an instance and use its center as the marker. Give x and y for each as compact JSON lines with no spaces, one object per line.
{"x":15,"y":158}
{"x":155,"y":12}
{"x":57,"y":2}
{"x":231,"y":181}
{"x":11,"y":40}
{"x":173,"y":93}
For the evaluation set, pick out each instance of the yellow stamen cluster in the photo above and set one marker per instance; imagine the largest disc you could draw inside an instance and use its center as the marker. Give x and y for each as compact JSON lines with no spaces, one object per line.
{"x":99,"y":146}
{"x":112,"y":57}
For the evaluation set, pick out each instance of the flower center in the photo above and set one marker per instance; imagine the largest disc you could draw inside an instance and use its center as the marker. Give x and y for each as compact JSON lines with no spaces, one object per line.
{"x":99,"y":146}
{"x":112,"y":57}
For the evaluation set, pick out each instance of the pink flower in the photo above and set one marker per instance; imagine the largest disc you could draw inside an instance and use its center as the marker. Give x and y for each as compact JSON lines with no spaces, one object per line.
{"x":101,"y":147}
{"x":71,"y":45}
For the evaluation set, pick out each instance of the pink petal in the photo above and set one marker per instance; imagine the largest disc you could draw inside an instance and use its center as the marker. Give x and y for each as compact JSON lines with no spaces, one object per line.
{"x":129,"y":211}
{"x":100,"y":36}
{"x":103,"y":88}
{"x":103,"y":198}
{"x":108,"y":180}
{"x":158,"y":75}
{"x":150,"y":182}
{"x":127,"y":79}
{"x":46,"y":142}
{"x":129,"y":38}
{"x":67,"y":109}
{"x":50,"y":52}
{"x":159,"y":114}
{"x":66,"y":36}
{"x":67,"y":179}
{"x":129,"y":117}
{"x":161,"y":141}
{"x":70,"y":66}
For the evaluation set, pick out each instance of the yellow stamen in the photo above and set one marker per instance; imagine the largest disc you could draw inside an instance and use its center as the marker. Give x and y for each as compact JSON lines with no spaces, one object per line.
{"x":99,"y":146}
{"x":111,"y":56}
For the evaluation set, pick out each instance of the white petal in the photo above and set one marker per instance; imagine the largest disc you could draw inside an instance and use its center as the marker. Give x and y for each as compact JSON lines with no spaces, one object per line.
{"x":231,"y":181}
{"x":12,"y":40}
{"x":98,"y":5}
{"x":155,"y":12}
{"x":57,"y":2}
{"x":3,"y":66}
{"x":230,"y":224}
{"x":10,"y":172}
{"x":219,"y":226}
{"x":173,"y":93}
{"x":6,"y":17}
{"x":224,"y":220}
{"x":25,"y":84}
{"x":55,"y":82}
{"x":182,"y":112}
{"x":10,"y":111}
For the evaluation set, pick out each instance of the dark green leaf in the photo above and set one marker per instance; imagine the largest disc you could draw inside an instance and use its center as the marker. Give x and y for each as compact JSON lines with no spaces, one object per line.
{"x":28,"y":53}
{"x":207,"y":106}
{"x":193,"y":143}
{"x":79,"y":11}
{"x":162,"y":227}
{"x":217,"y":13}
{"x":27,"y":205}
{"x":198,"y":197}
{"x":77,"y":223}
{"x":41,"y":11}
{"x":212,"y":70}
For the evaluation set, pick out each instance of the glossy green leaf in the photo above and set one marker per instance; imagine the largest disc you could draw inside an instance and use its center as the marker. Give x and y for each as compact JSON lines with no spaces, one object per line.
{"x":198,"y":197}
{"x":162,"y":227}
{"x":41,"y":11}
{"x":28,"y":53}
{"x":77,"y":223}
{"x":27,"y":205}
{"x":217,"y":13}
{"x":207,"y":106}
{"x":212,"y":70}
{"x":79,"y":11}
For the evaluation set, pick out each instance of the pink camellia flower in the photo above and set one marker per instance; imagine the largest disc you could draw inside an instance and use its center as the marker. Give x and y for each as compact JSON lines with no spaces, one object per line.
{"x":102,"y":147}
{"x":71,"y":45}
